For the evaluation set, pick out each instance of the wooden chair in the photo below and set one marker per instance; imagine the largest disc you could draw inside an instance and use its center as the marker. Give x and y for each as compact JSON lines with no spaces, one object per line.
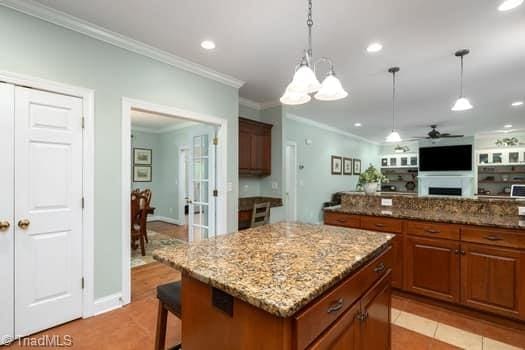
{"x":145,"y":205}
{"x":169,"y":296}
{"x":138,"y":222}
{"x":260,"y":214}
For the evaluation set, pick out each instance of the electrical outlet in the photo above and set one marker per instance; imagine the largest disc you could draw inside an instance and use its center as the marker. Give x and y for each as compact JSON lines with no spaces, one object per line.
{"x":387,"y":202}
{"x":521,"y":211}
{"x":171,"y":210}
{"x":275,"y":185}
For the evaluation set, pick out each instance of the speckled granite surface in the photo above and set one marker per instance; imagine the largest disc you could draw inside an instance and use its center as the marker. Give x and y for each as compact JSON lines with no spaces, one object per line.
{"x":484,"y":212}
{"x":247,"y":203}
{"x":279,"y":268}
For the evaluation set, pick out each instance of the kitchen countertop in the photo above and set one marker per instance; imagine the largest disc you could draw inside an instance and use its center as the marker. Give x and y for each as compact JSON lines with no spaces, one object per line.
{"x":280,"y":267}
{"x":246,"y":203}
{"x":500,"y":221}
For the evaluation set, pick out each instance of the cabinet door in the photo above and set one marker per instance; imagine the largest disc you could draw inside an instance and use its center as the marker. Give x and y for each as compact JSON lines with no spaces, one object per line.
{"x":432,"y":268}
{"x":262,"y":153}
{"x":493,"y":279}
{"x":397,"y":266}
{"x":7,"y":118}
{"x":245,"y":151}
{"x":343,"y":335}
{"x":375,"y":307}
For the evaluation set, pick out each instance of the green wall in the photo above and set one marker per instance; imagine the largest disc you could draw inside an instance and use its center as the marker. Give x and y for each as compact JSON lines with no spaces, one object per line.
{"x":33,"y":47}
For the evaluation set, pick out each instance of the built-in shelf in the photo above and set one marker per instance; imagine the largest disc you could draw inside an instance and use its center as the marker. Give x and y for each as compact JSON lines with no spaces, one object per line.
{"x":503,"y":176}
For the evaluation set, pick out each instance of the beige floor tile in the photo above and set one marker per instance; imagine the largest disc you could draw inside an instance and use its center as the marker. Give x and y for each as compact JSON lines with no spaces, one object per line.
{"x":416,"y":323}
{"x":458,"y":337}
{"x":394,"y":314}
{"x":491,"y":344}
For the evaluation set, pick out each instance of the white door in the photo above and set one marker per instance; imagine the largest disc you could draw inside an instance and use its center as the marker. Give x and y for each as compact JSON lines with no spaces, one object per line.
{"x":291,"y":181}
{"x":7,"y":99}
{"x":48,"y":209}
{"x":201,"y":216}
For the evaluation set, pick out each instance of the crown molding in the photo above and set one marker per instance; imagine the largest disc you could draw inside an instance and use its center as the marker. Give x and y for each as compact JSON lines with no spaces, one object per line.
{"x":65,"y":20}
{"x":271,"y":104}
{"x":249,"y":103}
{"x":163,"y":130}
{"x":327,"y":128}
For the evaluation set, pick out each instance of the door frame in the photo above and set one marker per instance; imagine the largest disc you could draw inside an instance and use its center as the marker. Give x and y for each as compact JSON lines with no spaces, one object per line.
{"x":88,"y":172}
{"x":292,"y":144}
{"x":182,"y":182}
{"x":221,"y":174}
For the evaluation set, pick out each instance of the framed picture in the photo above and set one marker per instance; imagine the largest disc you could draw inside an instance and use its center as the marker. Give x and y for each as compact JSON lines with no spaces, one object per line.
{"x":141,"y":173}
{"x":413,"y":160}
{"x":404,"y":161}
{"x":337,"y":166}
{"x":141,"y":156}
{"x":357,"y":167}
{"x":347,"y":166}
{"x":384,"y":162}
{"x":514,"y":157}
{"x":393,"y":161}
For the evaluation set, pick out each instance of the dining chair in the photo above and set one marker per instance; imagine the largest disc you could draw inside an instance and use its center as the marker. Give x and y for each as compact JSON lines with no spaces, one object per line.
{"x":138,"y":222}
{"x":169,"y":296}
{"x":260,"y":214}
{"x":145,"y":205}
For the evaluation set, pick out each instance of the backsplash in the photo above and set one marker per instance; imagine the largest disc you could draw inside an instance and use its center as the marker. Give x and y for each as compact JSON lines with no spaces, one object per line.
{"x":499,"y":207}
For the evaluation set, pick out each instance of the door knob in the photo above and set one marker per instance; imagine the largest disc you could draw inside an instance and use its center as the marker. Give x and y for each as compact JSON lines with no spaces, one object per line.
{"x":23,"y":224}
{"x":4,"y":225}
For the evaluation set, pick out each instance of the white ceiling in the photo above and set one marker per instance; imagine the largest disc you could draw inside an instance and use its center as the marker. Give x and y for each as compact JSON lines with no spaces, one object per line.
{"x":261,"y":41}
{"x":153,"y":122}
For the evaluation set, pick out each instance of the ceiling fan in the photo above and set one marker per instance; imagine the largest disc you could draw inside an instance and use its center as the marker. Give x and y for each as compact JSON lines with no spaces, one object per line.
{"x":435,"y":134}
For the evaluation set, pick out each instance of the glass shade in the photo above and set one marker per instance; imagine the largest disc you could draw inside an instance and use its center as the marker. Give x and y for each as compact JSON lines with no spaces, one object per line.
{"x":304,"y":81}
{"x":294,"y":98}
{"x":462,"y":104}
{"x":393,"y":137}
{"x":331,"y":89}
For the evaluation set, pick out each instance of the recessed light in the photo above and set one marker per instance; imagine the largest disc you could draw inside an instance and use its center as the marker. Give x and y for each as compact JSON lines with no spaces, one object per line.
{"x":375,"y":47}
{"x":509,"y":5}
{"x":357,"y":125}
{"x":517,"y":103}
{"x":507,"y":126}
{"x":208,"y":45}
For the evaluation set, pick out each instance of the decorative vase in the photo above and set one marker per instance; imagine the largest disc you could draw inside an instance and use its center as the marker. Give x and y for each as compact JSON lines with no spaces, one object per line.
{"x":370,"y":188}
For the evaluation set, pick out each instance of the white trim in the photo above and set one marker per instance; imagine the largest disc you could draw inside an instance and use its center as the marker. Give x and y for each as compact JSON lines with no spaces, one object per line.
{"x":107,"y":303}
{"x":294,"y":145}
{"x":182,"y":180}
{"x":164,"y":219}
{"x":222,"y":150}
{"x":249,"y":103}
{"x":327,"y":127}
{"x":165,"y":129}
{"x":84,"y":27}
{"x":271,"y":104}
{"x":88,"y":183}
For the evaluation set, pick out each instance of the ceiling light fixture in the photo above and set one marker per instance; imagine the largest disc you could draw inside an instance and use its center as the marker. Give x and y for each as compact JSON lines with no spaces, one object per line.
{"x":357,"y":125}
{"x":509,"y":5}
{"x":507,"y":126}
{"x":208,"y":45}
{"x":305,"y":81}
{"x":394,"y":135}
{"x":517,"y":103}
{"x":462,"y":103}
{"x":374,"y":47}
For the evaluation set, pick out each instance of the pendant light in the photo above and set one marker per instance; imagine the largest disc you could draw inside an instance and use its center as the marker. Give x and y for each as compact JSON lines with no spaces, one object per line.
{"x":305,"y":81}
{"x":394,"y":135}
{"x":462,"y":103}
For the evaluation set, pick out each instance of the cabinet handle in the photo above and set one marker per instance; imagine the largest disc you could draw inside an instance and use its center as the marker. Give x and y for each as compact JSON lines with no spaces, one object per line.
{"x":432,"y":231}
{"x":336,"y":306}
{"x":493,"y":238}
{"x":23,"y":224}
{"x":380,"y":225}
{"x":463,"y":252}
{"x":456,"y":251}
{"x":379,"y":268}
{"x":4,"y":225}
{"x":362,"y":316}
{"x":341,"y":220}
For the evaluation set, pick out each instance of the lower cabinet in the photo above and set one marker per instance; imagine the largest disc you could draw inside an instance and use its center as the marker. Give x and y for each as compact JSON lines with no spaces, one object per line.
{"x":432,"y":267}
{"x":493,"y":279}
{"x":364,"y":326}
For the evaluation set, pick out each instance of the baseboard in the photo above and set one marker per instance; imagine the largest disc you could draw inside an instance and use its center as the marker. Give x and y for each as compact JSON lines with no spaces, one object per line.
{"x":107,"y":303}
{"x":164,"y":218}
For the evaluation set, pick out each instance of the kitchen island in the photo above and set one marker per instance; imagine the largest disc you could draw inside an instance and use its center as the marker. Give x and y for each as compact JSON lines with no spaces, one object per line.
{"x":285,"y":286}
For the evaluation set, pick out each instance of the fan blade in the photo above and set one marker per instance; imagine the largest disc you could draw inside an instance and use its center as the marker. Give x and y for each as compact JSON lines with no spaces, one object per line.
{"x":451,"y":136}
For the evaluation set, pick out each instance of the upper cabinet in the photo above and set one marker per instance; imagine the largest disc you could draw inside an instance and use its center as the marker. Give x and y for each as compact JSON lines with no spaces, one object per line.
{"x":255,"y":148}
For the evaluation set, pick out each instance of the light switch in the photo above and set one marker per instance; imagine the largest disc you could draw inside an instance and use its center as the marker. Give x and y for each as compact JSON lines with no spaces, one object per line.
{"x":387,"y":202}
{"x":275,"y":185}
{"x":521,"y":211}
{"x":230,"y":186}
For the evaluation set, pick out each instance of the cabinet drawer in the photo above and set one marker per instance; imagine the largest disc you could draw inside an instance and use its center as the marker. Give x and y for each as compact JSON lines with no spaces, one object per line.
{"x":317,"y":317}
{"x":430,"y":229}
{"x":381,"y":224}
{"x":501,"y":238}
{"x":342,"y":219}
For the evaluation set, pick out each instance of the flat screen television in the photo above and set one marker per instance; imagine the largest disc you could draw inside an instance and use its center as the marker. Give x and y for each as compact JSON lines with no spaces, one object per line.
{"x":445,"y":158}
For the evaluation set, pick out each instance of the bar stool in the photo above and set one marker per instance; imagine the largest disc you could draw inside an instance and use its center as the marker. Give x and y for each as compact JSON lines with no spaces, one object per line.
{"x":169,"y":300}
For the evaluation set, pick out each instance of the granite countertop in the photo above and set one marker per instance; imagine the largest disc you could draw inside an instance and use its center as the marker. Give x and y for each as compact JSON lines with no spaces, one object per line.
{"x":246,"y":203}
{"x":280,"y":267}
{"x":501,"y":221}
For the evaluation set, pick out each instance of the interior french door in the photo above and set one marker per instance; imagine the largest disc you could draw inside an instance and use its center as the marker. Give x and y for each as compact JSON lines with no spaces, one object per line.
{"x":41,"y":183}
{"x":201,"y":213}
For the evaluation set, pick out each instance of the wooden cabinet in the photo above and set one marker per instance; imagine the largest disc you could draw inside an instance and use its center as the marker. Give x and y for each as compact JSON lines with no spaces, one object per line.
{"x":341,"y":219}
{"x":432,"y":267}
{"x":493,"y":279}
{"x":343,"y":335}
{"x":255,"y":148}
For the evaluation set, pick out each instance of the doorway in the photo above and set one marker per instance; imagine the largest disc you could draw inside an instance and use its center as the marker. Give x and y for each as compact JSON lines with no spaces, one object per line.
{"x":186,"y":181}
{"x":291,"y":181}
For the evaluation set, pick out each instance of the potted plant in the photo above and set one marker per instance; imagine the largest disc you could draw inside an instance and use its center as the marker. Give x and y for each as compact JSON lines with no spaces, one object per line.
{"x":370,"y":179}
